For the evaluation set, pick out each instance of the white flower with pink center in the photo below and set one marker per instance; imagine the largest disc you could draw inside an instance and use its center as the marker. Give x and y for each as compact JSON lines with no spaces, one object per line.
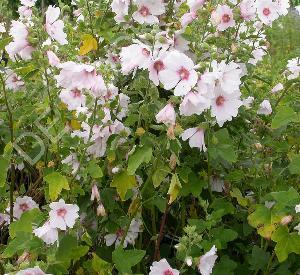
{"x":23,"y":204}
{"x":63,"y":215}
{"x":20,"y":45}
{"x":76,"y":76}
{"x":166,"y":115}
{"x":134,"y":229}
{"x":55,"y":27}
{"x":195,"y":137}
{"x":265,"y":108}
{"x":225,"y":106}
{"x":194,"y":103}
{"x":195,"y":5}
{"x":73,"y":99}
{"x":222,"y":17}
{"x":248,"y":10}
{"x":156,"y":66}
{"x":120,"y":8}
{"x":267,"y":11}
{"x":207,"y":261}
{"x":13,"y":81}
{"x":162,"y":268}
{"x":47,"y":233}
{"x":31,"y":271}
{"x":147,"y":11}
{"x":179,"y":73}
{"x":135,"y":56}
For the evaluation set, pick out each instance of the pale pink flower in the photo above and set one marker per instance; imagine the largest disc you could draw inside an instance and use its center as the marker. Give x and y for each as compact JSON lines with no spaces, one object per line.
{"x":63,"y":215}
{"x":188,"y":18}
{"x":98,"y":87}
{"x":283,"y":6}
{"x":247,"y":102}
{"x":277,"y":88}
{"x":298,"y":10}
{"x":297,"y":208}
{"x":75,"y":76}
{"x":13,"y":81}
{"x":162,"y":268}
{"x":248,"y":9}
{"x":225,"y":106}
{"x":297,"y":228}
{"x":195,"y":5}
{"x":72,"y":161}
{"x":179,"y":73}
{"x":222,"y":17}
{"x":53,"y":59}
{"x":25,"y":12}
{"x":293,"y":68}
{"x":31,"y":271}
{"x":73,"y":99}
{"x":4,"y":219}
{"x":193,"y":103}
{"x":132,"y":234}
{"x":95,"y":193}
{"x":147,"y":11}
{"x":207,"y":261}
{"x":120,"y":8}
{"x":2,"y":28}
{"x":47,"y":233}
{"x":195,"y":137}
{"x":166,"y":115}
{"x":28,"y":3}
{"x":55,"y":27}
{"x":135,"y":56}
{"x":156,"y":66}
{"x":258,"y":55}
{"x":265,"y":108}
{"x":19,"y":46}
{"x":23,"y":204}
{"x":179,"y":43}
{"x":267,"y":11}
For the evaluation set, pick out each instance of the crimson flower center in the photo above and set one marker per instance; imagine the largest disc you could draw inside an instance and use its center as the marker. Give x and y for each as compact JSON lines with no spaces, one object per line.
{"x":266,"y":11}
{"x":226,"y":18}
{"x":120,"y":232}
{"x":61,"y":212}
{"x":76,"y":93}
{"x":220,"y":100}
{"x":24,"y":207}
{"x":158,"y":65}
{"x":144,"y":11}
{"x":168,"y":272}
{"x":145,"y":52}
{"x":184,"y":74}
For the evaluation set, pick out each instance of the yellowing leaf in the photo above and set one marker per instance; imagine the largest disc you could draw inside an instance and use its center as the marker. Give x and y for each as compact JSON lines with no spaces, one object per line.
{"x":123,"y":182}
{"x":56,"y":182}
{"x":75,"y":124}
{"x":174,"y":188}
{"x":89,"y":43}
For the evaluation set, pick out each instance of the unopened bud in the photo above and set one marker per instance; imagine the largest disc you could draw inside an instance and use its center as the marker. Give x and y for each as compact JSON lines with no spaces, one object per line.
{"x":101,"y":210}
{"x":95,"y":193}
{"x":286,"y":220}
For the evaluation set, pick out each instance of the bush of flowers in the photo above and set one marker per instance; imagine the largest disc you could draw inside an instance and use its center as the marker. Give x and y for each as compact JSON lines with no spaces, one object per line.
{"x":142,"y":137}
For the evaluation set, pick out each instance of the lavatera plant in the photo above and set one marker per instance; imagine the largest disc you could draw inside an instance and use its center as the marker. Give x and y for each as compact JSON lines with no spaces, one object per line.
{"x":148,"y":137}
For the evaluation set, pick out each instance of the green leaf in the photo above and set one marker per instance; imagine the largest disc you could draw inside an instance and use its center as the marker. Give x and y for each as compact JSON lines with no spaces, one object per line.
{"x":100,"y":266}
{"x":294,"y":166}
{"x":259,"y":258}
{"x":126,"y":259}
{"x":123,"y":182}
{"x":286,"y":243}
{"x":283,"y":116}
{"x":236,"y":193}
{"x":56,"y":182}
{"x":22,"y":242}
{"x":224,"y":266}
{"x":70,"y":250}
{"x":264,"y":220}
{"x":140,"y":155}
{"x":222,"y":146}
{"x":24,"y":224}
{"x":160,"y":173}
{"x":94,"y":169}
{"x":4,"y":163}
{"x":174,"y":188}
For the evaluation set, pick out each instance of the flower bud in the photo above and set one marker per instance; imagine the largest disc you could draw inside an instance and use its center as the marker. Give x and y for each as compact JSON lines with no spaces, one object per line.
{"x":286,"y":220}
{"x":95,"y":193}
{"x":101,"y":210}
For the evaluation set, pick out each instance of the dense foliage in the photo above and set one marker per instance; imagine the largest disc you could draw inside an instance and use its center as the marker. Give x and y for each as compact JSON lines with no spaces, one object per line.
{"x":150,"y":137}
